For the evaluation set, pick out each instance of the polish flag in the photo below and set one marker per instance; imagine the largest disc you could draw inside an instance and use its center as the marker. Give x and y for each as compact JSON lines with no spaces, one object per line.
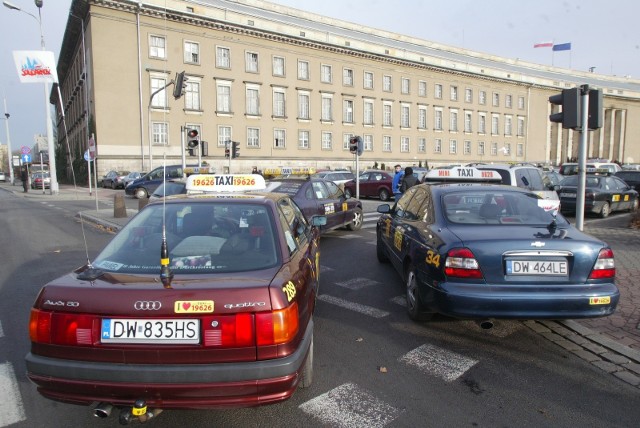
{"x":543,"y":45}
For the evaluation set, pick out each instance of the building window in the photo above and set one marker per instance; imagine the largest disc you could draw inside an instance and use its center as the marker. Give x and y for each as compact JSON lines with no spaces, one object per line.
{"x":386,"y":83}
{"x":157,"y":47}
{"x":521,"y":103}
{"x":327,"y":140}
{"x":422,"y":145}
{"x":368,"y":112}
{"x":495,"y":124}
{"x":454,"y":93}
{"x":251,"y":62}
{"x":437,"y":91}
{"x":467,"y":147}
{"x":481,"y":148}
{"x":508,"y":103}
{"x":422,"y":117}
{"x":224,"y":135}
{"x":347,"y":114}
{"x":253,"y":101}
{"x":386,"y":143}
{"x":437,"y":145}
{"x":303,"y":105}
{"x":468,"y":95}
{"x":192,"y":95}
{"x":279,"y":139}
{"x":507,"y":125}
{"x":482,"y":98}
{"x":160,"y":133}
{"x":453,"y":121}
{"x":253,"y":137}
{"x":404,"y":144}
{"x":223,"y":57}
{"x":405,"y":116}
{"x":278,"y":66}
{"x":347,"y":77}
{"x":223,"y":97}
{"x":159,"y":100}
{"x":387,"y":118}
{"x":521,"y":127}
{"x":303,"y":70}
{"x":482,"y":123}
{"x":345,"y":141}
{"x":279,"y":102}
{"x":325,"y":73}
{"x":496,"y":99}
{"x":368,"y":80}
{"x":453,"y":147}
{"x":405,"y":85}
{"x":327,"y":108}
{"x":506,"y":149}
{"x":303,"y":139}
{"x":494,"y":149}
{"x":437,"y":119}
{"x":468,"y":121}
{"x":520,"y":150}
{"x":367,"y":142}
{"x":191,"y":53}
{"x":422,"y":88}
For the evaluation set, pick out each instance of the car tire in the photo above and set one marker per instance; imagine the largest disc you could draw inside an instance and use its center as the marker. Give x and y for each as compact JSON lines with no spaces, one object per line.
{"x":415,"y":308}
{"x":634,"y":206}
{"x":306,"y":376}
{"x":356,"y":224}
{"x":141,"y":193}
{"x":347,"y":193}
{"x":113,"y":185}
{"x":605,"y":211}
{"x":384,"y":194}
{"x":382,"y":256}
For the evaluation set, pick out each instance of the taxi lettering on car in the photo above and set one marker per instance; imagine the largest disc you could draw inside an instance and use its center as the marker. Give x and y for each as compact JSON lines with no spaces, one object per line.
{"x":467,"y":247}
{"x":204,"y":299}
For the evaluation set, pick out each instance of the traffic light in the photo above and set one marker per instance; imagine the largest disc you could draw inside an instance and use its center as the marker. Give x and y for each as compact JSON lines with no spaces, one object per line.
{"x":204,"y":146}
{"x":595,"y":109}
{"x":235,"y":149}
{"x":193,"y":142}
{"x":355,"y":145}
{"x":179,"y":85}
{"x":570,"y":116}
{"x":227,"y":149}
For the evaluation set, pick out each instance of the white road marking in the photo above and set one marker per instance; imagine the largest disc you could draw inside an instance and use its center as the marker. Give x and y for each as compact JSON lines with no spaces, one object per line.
{"x":400,"y":300}
{"x":349,"y":236}
{"x":325,"y":269}
{"x":1,"y":331}
{"x":357,"y":283}
{"x":11,"y":409}
{"x":357,"y":307}
{"x":350,"y":406}
{"x":439,"y":362}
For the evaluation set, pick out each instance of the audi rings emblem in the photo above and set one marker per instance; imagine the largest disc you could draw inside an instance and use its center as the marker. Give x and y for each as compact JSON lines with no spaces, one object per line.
{"x":147,"y":305}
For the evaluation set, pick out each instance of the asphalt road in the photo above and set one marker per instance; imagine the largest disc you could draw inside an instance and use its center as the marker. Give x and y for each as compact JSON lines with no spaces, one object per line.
{"x":373,"y":366}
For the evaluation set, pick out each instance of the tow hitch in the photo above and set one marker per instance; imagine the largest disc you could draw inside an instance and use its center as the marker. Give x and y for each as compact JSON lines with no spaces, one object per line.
{"x":138,"y":412}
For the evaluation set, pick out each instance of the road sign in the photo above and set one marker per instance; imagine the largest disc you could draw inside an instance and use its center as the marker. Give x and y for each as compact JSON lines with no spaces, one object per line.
{"x":88,"y":156}
{"x":25,"y":150}
{"x":26,"y":158}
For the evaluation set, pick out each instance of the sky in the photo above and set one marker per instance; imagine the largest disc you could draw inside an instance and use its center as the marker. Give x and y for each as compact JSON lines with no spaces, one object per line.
{"x":603,"y":34}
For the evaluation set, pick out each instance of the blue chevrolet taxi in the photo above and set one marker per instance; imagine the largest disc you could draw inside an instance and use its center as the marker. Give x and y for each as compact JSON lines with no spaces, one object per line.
{"x":467,"y":248}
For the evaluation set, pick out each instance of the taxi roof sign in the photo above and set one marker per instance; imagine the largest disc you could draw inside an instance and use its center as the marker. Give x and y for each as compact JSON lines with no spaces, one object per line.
{"x":289,"y":171}
{"x":466,"y":174}
{"x":201,"y":183}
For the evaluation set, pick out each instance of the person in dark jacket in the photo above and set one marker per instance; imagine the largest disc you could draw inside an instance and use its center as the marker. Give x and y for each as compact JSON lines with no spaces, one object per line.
{"x":408,"y":180}
{"x":24,"y":177}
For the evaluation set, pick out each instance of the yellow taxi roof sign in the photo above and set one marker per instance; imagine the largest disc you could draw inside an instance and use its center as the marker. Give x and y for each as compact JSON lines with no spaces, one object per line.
{"x":467,"y":174}
{"x":289,"y":171}
{"x":224,"y":183}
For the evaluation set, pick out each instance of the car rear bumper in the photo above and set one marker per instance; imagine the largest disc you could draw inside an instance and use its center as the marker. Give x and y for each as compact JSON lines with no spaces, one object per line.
{"x":534,"y":302}
{"x":170,"y":386}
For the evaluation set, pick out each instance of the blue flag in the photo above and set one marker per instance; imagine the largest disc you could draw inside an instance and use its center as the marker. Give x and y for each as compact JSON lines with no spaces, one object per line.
{"x":562,"y":47}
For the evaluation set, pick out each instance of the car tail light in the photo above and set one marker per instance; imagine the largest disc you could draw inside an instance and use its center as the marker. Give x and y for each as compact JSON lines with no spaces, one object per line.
{"x":61,"y":328}
{"x":461,"y":263}
{"x":276,"y":327}
{"x":228,"y":331}
{"x":605,"y":266}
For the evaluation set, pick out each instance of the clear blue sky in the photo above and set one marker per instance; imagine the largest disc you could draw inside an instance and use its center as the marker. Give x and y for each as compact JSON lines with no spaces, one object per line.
{"x":603,"y":34}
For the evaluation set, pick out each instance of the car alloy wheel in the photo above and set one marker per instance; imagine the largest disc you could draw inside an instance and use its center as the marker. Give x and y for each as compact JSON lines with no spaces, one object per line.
{"x":384,"y":195}
{"x":141,"y":193}
{"x":356,"y":224}
{"x":414,"y":306}
{"x":606,"y":210}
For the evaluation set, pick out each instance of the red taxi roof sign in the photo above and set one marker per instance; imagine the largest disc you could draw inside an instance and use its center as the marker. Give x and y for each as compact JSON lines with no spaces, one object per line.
{"x":224,"y":183}
{"x":467,"y":174}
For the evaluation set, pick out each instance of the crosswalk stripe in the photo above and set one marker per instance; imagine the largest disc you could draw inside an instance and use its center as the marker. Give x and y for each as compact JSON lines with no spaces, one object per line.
{"x":439,"y":362}
{"x":11,"y":409}
{"x":357,"y":283}
{"x":357,"y":307}
{"x":348,"y":406}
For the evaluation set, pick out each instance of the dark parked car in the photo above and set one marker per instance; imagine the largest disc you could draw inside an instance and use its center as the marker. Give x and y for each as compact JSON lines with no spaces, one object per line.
{"x":144,"y":186}
{"x":224,"y":317}
{"x":483,"y":251}
{"x":373,"y":184}
{"x":114,"y":179}
{"x":631,"y":177}
{"x":604,"y":194}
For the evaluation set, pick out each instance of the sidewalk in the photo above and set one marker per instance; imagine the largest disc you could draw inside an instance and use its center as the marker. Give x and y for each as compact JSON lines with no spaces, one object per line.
{"x":611,"y":343}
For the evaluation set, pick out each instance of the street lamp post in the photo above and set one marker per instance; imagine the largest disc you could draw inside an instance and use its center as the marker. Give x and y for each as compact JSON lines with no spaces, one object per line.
{"x":51,"y":147}
{"x":7,"y":116}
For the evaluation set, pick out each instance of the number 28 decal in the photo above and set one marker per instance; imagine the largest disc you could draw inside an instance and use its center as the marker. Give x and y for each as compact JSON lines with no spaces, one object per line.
{"x":432,"y":258}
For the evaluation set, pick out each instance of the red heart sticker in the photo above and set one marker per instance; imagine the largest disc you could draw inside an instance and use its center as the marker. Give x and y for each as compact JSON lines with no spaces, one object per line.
{"x":186,"y":305}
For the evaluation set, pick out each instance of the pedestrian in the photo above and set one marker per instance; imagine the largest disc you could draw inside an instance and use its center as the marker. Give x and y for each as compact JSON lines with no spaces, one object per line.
{"x":395,"y":184}
{"x":408,"y":180}
{"x":24,"y":176}
{"x":255,"y":170}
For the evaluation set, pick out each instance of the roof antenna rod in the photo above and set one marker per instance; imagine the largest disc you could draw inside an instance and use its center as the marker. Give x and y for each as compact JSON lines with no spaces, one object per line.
{"x":165,"y":272}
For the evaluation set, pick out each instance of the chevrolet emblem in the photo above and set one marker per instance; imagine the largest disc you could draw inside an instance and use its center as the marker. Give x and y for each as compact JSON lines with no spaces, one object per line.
{"x":537,"y":244}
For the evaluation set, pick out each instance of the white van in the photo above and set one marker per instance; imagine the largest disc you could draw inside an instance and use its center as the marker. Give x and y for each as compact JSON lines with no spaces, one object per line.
{"x":527,"y":176}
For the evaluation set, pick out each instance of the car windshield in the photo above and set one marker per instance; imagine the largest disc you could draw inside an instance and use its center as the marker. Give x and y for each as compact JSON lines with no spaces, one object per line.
{"x":495,"y":207}
{"x":591,"y":181}
{"x":202,"y":237}
{"x":290,"y":188}
{"x":169,"y":188}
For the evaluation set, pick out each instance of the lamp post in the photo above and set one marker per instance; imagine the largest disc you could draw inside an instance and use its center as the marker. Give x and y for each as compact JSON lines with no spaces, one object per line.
{"x":7,"y":116}
{"x":51,"y":148}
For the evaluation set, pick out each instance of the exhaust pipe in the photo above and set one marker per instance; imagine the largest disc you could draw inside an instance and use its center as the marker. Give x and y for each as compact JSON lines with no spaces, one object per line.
{"x":485,"y":324}
{"x":102,"y":410}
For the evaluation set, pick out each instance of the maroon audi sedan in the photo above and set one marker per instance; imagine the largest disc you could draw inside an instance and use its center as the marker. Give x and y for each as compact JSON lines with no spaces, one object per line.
{"x":202,"y":300}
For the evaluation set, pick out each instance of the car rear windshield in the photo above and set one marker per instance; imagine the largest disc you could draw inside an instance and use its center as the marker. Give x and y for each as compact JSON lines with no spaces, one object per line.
{"x":201,"y":238}
{"x":494,"y":207}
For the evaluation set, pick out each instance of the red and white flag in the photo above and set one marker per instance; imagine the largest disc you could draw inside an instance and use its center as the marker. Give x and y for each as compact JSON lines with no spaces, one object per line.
{"x":543,"y":45}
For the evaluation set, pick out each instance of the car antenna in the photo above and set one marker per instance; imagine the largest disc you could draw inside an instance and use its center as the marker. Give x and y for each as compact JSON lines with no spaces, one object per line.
{"x":165,"y":271}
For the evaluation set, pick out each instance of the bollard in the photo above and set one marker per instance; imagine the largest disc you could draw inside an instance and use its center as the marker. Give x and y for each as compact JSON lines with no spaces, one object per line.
{"x":142,"y":203}
{"x":119,"y":208}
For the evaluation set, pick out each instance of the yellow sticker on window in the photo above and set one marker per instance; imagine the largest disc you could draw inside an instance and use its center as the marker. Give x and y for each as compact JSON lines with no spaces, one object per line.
{"x":193,"y":306}
{"x":604,"y":300}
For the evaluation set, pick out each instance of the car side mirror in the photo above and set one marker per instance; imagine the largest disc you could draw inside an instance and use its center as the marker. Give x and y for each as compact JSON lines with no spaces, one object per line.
{"x":384,"y":209}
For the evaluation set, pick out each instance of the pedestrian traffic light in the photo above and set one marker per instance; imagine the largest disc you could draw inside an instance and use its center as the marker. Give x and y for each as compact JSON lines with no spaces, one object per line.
{"x":193,"y":142}
{"x":227,"y":149}
{"x":179,"y":85}
{"x":570,"y":116}
{"x":595,"y":109}
{"x":355,"y":145}
{"x":235,"y":149}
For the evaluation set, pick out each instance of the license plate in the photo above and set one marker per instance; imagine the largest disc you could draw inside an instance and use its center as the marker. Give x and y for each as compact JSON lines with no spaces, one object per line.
{"x":567,"y":195}
{"x":530,"y":267}
{"x":159,"y":331}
